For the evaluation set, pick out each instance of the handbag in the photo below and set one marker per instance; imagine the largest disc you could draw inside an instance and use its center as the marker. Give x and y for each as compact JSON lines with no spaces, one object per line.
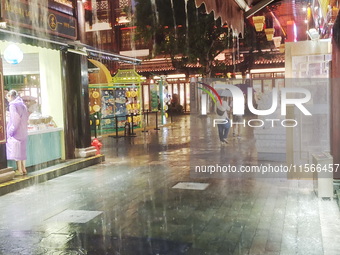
{"x":219,"y":111}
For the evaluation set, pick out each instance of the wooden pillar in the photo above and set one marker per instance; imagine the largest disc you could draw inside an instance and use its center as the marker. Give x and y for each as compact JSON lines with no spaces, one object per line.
{"x":335,"y":96}
{"x":81,"y":21}
{"x":76,"y":109}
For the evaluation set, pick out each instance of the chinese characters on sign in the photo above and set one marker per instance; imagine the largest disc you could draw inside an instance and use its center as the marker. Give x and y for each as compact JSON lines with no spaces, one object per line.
{"x":42,"y":19}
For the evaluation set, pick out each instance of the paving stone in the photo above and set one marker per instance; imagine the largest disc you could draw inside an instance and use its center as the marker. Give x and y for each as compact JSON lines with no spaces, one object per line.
{"x":139,"y":208}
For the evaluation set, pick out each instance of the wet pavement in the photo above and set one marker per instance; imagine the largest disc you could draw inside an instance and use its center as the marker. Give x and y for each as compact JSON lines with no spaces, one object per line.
{"x":126,"y":205}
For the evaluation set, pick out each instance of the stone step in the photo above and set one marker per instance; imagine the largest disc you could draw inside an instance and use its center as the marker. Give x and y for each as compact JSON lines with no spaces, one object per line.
{"x":6,"y":170}
{"x":35,"y":177}
{"x":6,"y":174}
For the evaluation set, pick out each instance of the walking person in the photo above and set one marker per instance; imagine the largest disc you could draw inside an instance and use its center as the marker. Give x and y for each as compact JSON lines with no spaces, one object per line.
{"x":223,"y":113}
{"x":17,"y":133}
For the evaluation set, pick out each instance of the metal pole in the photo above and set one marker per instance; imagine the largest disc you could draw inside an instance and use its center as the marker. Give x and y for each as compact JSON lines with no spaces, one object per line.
{"x":131,"y":130}
{"x":147,"y":117}
{"x":116,"y":136}
{"x":144,"y":124}
{"x":161,"y":101}
{"x":156,"y":128}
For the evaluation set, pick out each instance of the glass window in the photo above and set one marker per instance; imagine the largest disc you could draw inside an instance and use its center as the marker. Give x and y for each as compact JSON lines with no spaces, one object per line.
{"x":257,"y":85}
{"x":267,"y":85}
{"x":187,"y":97}
{"x":175,"y":89}
{"x":146,"y":98}
{"x":170,"y":89}
{"x":279,"y":83}
{"x":28,"y":87}
{"x":181,"y":94}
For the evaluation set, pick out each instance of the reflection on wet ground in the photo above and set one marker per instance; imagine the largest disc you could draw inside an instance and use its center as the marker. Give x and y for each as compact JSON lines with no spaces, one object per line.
{"x":127,"y":205}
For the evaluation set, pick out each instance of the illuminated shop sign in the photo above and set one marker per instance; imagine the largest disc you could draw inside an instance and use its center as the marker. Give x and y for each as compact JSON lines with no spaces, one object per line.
{"x":40,"y":18}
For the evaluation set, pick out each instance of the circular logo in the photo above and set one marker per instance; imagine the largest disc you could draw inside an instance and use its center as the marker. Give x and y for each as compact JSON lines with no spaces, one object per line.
{"x":52,"y":21}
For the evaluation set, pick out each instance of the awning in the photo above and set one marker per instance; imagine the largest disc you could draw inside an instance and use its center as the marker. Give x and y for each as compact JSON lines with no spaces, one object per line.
{"x":57,"y":44}
{"x":230,"y":11}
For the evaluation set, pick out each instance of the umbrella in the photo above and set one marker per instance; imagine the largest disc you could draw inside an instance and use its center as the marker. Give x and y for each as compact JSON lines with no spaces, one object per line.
{"x":224,"y":93}
{"x":244,"y":87}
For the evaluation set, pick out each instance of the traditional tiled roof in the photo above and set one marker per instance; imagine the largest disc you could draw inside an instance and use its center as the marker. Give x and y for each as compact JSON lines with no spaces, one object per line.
{"x":165,"y":64}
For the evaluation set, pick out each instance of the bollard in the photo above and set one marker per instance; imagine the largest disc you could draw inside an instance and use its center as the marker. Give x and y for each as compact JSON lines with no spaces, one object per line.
{"x":147,"y":117}
{"x":132,"y":133}
{"x":116,"y":127}
{"x":144,"y":125}
{"x":94,"y":126}
{"x":156,"y":128}
{"x":126,"y":129}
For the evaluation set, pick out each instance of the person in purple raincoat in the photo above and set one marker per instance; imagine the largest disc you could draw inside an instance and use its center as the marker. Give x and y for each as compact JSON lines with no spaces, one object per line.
{"x":17,"y":131}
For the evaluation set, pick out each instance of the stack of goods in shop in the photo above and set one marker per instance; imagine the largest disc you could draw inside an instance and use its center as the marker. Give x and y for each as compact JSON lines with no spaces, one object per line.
{"x":37,"y":122}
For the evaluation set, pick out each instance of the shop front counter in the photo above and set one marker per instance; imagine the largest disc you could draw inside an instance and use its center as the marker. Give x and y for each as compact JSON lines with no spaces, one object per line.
{"x":42,"y":146}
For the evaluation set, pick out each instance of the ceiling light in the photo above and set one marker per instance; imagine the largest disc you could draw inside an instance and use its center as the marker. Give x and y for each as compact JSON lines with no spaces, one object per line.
{"x":277,"y":41}
{"x":269,"y":33}
{"x":13,"y":54}
{"x":258,"y":22}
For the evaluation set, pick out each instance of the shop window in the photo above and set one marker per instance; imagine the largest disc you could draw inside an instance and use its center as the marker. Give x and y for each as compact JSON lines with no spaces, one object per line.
{"x":102,"y":8}
{"x":257,"y":86}
{"x":279,"y":83}
{"x":279,"y":75}
{"x":170,"y":89}
{"x":175,"y":89}
{"x":267,"y":85}
{"x":124,"y":3}
{"x":128,"y":41}
{"x":28,"y":87}
{"x":146,"y":98}
{"x":181,"y":94}
{"x":187,"y":97}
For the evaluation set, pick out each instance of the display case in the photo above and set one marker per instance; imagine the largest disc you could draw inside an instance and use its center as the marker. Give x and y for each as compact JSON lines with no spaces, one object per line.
{"x":114,"y":104}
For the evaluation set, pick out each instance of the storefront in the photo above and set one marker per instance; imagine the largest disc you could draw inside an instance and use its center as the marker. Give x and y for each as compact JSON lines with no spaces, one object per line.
{"x":176,"y":93}
{"x":37,"y":78}
{"x":52,"y":78}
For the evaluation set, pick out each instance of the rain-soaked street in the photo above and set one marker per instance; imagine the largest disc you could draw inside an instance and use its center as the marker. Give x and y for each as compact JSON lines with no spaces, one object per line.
{"x":127,"y":205}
